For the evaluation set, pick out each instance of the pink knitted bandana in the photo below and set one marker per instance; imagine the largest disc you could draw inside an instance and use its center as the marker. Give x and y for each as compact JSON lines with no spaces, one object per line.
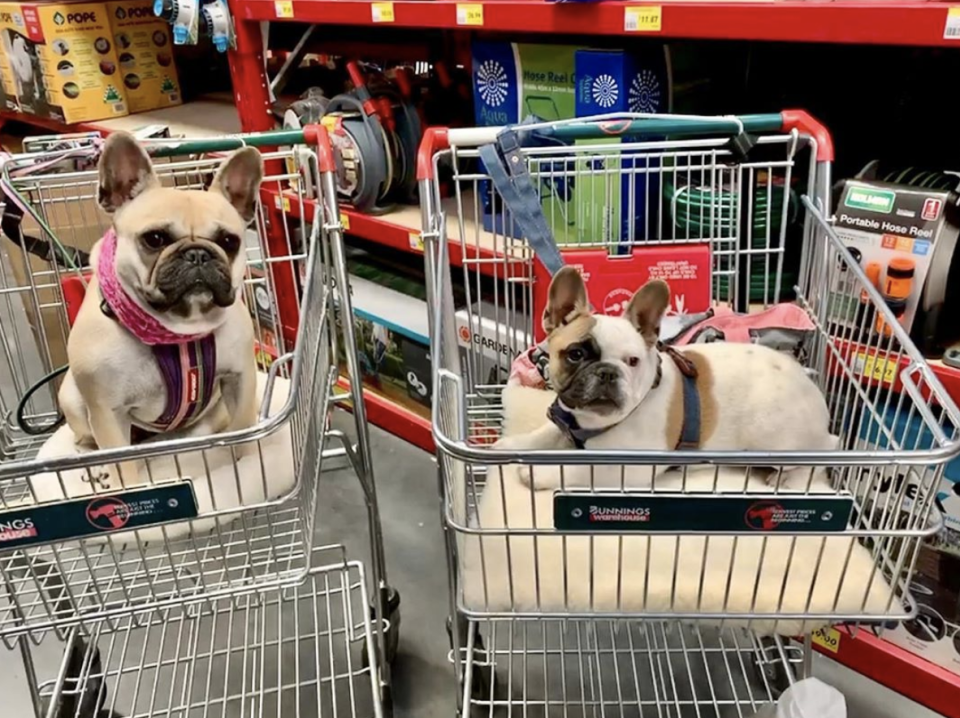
{"x":130,"y":314}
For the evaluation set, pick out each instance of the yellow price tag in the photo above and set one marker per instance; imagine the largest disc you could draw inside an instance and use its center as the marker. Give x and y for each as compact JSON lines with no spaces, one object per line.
{"x":382,"y":12}
{"x":416,"y":242}
{"x":284,"y":8}
{"x":642,"y":18}
{"x":951,"y":29}
{"x":469,"y":14}
{"x":345,"y":221}
{"x":828,"y":638}
{"x":884,"y":370}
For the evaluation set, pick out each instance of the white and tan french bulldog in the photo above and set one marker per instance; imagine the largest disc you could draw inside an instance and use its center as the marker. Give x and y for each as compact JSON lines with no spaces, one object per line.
{"x":176,"y":273}
{"x":625,"y":392}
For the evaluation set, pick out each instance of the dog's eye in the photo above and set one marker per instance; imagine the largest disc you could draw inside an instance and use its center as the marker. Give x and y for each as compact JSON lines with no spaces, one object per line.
{"x":155,"y":239}
{"x":229,"y":242}
{"x":633,"y":361}
{"x":575,"y":356}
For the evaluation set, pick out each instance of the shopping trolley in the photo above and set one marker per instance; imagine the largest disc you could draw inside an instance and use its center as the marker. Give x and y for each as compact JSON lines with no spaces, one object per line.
{"x":554,"y":613}
{"x":226,"y":578}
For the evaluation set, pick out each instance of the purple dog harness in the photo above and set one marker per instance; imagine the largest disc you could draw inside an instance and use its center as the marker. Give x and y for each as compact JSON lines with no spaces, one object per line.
{"x":187,"y":362}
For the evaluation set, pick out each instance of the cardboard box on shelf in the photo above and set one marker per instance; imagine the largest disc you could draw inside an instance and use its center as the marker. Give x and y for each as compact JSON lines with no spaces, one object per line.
{"x":886,"y":227}
{"x":64,"y":61}
{"x":514,"y":81}
{"x":145,"y":53}
{"x":617,"y":198}
{"x":935,"y":633}
{"x":11,"y":27}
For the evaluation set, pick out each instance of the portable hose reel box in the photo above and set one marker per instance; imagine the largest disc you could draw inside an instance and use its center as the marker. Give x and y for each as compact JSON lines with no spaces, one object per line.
{"x":888,"y":226}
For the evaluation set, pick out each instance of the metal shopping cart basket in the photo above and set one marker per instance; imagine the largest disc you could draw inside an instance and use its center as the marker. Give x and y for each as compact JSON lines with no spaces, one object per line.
{"x":556,"y":614}
{"x":226,"y":572}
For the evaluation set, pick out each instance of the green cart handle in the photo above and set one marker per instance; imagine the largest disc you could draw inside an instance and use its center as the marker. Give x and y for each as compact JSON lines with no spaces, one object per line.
{"x":314,"y":135}
{"x":436,"y":139}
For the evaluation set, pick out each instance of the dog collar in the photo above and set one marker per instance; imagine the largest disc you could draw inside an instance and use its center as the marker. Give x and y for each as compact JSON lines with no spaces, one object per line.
{"x":564,"y":419}
{"x":131,"y":315}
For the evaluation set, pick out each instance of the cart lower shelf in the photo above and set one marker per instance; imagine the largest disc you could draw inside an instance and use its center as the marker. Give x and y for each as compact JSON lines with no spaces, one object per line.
{"x":577,"y":668}
{"x":297,"y":651}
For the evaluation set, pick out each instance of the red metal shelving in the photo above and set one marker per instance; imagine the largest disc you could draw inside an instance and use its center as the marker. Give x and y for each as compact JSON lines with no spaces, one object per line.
{"x":910,"y":675}
{"x":843,"y":21}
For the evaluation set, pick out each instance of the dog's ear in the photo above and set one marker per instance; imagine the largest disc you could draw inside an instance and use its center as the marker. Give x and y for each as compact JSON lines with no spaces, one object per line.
{"x":647,"y":308}
{"x":125,"y":171}
{"x":566,"y":299}
{"x":238,"y":179}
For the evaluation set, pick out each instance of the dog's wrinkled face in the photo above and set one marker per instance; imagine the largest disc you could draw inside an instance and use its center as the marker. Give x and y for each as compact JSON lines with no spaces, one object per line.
{"x":180,"y":253}
{"x":602,"y":367}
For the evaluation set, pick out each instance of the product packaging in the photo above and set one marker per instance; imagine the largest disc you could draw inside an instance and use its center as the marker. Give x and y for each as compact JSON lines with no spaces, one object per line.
{"x":617,"y":197}
{"x":11,"y":27}
{"x":63,"y":60}
{"x":145,"y":53}
{"x":935,"y":633}
{"x":515,"y":81}
{"x":902,"y":238}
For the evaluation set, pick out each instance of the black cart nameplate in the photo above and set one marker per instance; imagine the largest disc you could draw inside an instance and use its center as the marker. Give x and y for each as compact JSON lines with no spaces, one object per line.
{"x":665,"y":513}
{"x":96,"y":515}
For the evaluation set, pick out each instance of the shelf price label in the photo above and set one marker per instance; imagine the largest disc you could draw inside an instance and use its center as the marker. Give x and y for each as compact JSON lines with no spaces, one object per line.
{"x":382,"y":12}
{"x":470,"y":14}
{"x":284,"y":8}
{"x":416,"y":241}
{"x":951,"y":29}
{"x":642,"y":18}
{"x":345,"y":221}
{"x":828,"y":638}
{"x":876,"y":368}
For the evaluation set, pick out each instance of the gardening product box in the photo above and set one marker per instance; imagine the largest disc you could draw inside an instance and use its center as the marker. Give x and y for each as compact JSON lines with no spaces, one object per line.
{"x":64,"y":61}
{"x":895,"y":232}
{"x":617,"y":197}
{"x":489,"y":339}
{"x":935,"y":633}
{"x":145,"y":53}
{"x":11,"y":27}
{"x":514,"y":81}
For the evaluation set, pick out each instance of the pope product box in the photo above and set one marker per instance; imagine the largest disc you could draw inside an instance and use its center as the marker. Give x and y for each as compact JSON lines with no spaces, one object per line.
{"x":145,"y":53}
{"x":513,"y":81}
{"x":617,"y":198}
{"x":73,"y":70}
{"x":11,"y":28}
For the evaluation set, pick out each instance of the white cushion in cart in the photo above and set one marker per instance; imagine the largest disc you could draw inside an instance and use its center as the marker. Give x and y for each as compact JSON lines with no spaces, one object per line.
{"x":634,"y":574}
{"x":230,"y":484}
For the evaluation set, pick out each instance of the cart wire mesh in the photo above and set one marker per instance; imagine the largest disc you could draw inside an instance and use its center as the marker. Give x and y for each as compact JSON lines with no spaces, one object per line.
{"x":253,"y":528}
{"x":763,"y":215}
{"x":294,"y":651}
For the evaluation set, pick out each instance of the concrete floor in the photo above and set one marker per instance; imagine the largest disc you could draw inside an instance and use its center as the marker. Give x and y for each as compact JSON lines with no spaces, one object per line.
{"x":424,"y":686}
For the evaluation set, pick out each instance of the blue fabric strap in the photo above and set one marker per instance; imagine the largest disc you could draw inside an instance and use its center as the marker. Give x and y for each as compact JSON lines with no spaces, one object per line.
{"x":568,"y":424}
{"x":690,"y":434}
{"x":507,"y":167}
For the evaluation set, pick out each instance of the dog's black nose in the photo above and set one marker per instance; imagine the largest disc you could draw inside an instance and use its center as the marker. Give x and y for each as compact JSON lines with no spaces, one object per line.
{"x":197,"y":255}
{"x":608,"y":374}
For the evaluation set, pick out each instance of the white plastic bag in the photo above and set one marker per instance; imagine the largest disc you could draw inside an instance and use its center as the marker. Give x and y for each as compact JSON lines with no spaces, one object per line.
{"x":809,"y":698}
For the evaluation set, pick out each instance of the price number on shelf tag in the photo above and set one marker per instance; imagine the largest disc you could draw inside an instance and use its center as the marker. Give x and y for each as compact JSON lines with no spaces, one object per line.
{"x":951,"y":28}
{"x":876,"y":368}
{"x":642,"y":18}
{"x":345,"y":222}
{"x":416,"y":242}
{"x":827,"y":638}
{"x":470,"y":14}
{"x":382,"y":12}
{"x":284,"y":8}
